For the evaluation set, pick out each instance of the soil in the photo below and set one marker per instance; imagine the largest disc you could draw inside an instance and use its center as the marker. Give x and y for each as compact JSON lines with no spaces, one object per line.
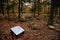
{"x":42,"y":33}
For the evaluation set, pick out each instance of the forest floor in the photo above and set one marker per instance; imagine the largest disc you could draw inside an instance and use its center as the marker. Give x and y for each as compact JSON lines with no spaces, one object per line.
{"x":41,"y":33}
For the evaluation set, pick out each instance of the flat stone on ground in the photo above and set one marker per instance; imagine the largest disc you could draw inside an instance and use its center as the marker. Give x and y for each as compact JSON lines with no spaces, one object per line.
{"x":17,"y":30}
{"x":52,"y":27}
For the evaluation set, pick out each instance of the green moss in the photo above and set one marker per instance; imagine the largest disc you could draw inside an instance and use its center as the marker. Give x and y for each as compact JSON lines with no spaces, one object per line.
{"x":34,"y":27}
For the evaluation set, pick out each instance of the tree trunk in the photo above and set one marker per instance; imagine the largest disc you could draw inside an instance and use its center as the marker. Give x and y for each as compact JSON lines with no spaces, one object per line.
{"x":38,"y":8}
{"x":2,"y":7}
{"x":59,"y":14}
{"x":34,"y":8}
{"x":8,"y":10}
{"x":19,"y":9}
{"x":51,"y":17}
{"x":13,"y":7}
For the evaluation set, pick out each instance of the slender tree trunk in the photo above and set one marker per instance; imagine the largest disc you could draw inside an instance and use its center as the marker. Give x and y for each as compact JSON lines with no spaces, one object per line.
{"x":2,"y":7}
{"x":38,"y":7}
{"x":19,"y":9}
{"x":51,"y":17}
{"x":8,"y":10}
{"x":13,"y":8}
{"x":34,"y":8}
{"x":59,"y":23}
{"x":59,"y":14}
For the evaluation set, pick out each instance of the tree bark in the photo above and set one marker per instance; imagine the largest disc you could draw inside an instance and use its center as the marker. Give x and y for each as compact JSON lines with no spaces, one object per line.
{"x":51,"y":16}
{"x":8,"y":11}
{"x":38,"y":8}
{"x":13,"y":7}
{"x":19,"y":9}
{"x":2,"y":7}
{"x":34,"y":8}
{"x":59,"y":14}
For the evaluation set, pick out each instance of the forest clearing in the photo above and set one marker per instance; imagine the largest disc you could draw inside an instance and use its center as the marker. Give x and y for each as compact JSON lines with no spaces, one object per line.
{"x":38,"y":18}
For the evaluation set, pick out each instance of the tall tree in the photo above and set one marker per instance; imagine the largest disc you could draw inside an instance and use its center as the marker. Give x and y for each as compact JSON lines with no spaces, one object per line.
{"x":13,"y":6}
{"x":2,"y":6}
{"x":39,"y":7}
{"x":51,"y":17}
{"x":8,"y":9}
{"x":54,"y":4}
{"x":59,"y":15}
{"x":34,"y":8}
{"x":19,"y":8}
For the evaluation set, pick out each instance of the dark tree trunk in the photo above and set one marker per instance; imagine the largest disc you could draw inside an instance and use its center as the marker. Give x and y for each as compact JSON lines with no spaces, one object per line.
{"x":34,"y":8}
{"x":8,"y":10}
{"x":38,"y":7}
{"x":54,"y":4}
{"x":59,"y":14}
{"x":51,"y":17}
{"x":13,"y":7}
{"x":19,"y":9}
{"x":2,"y":7}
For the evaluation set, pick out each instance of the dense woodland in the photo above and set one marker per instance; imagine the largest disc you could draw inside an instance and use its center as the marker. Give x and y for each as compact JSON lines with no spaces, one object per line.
{"x":33,"y":15}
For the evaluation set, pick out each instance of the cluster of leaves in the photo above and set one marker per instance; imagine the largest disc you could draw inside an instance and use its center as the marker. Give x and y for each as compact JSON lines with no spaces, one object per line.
{"x":8,"y":7}
{"x":3,"y":36}
{"x":22,"y":17}
{"x":46,"y":3}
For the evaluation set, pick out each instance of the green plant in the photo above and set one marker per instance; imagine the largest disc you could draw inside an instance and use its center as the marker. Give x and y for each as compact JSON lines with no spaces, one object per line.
{"x":22,"y":19}
{"x":32,"y":25}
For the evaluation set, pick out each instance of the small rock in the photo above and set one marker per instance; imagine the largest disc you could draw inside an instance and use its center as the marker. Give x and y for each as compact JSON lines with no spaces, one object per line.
{"x":52,"y":27}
